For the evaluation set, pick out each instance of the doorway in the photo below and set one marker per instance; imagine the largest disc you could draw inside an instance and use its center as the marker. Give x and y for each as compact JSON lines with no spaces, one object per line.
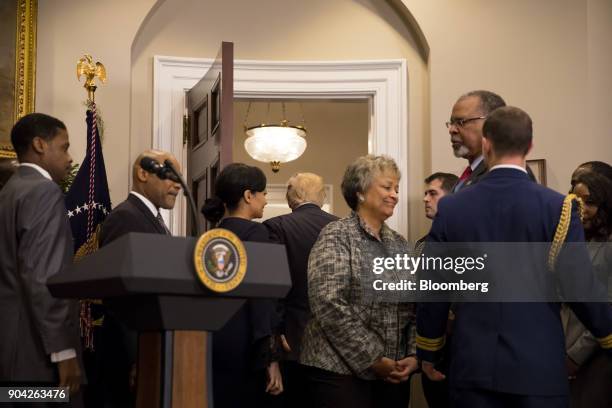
{"x":382,"y":82}
{"x":337,"y":134}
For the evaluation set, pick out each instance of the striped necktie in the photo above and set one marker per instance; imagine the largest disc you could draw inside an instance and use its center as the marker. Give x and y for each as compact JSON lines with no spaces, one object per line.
{"x":160,"y":219}
{"x":466,"y":173}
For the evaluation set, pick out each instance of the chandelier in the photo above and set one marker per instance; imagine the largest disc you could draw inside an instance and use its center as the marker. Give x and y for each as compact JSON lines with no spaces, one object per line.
{"x":275,"y":143}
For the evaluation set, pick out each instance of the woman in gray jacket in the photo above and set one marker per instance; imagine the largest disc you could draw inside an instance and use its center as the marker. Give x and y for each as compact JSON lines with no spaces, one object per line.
{"x":359,"y":348}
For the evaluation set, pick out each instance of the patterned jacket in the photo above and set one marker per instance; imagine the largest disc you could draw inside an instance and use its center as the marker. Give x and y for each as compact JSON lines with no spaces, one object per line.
{"x":350,"y":328}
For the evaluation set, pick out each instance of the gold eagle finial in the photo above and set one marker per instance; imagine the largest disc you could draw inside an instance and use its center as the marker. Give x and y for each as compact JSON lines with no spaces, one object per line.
{"x":87,"y":68}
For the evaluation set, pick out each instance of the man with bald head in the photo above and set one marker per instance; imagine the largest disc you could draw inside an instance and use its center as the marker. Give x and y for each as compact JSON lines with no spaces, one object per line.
{"x":112,"y":379}
{"x":298,"y":231}
{"x":141,"y":211}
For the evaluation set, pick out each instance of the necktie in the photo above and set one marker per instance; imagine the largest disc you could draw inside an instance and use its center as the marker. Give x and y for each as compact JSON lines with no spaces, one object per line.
{"x":466,"y":173}
{"x":162,"y":223}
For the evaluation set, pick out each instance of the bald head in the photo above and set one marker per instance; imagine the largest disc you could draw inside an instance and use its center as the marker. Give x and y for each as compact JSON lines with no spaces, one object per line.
{"x":162,"y":193}
{"x":305,"y":188}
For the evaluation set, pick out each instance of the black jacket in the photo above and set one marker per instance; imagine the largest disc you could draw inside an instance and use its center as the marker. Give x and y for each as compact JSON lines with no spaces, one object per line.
{"x":298,"y":231}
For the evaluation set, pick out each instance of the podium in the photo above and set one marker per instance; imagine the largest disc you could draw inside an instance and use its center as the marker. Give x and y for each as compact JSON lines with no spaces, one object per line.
{"x":149,"y":282}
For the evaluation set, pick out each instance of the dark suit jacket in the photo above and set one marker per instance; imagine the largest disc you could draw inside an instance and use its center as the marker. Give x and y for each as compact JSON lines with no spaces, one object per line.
{"x":298,"y":231}
{"x":476,"y":175}
{"x":479,"y":172}
{"x":508,"y":347}
{"x":241,"y":349}
{"x":35,"y":244}
{"x":132,"y":215}
{"x":115,"y":345}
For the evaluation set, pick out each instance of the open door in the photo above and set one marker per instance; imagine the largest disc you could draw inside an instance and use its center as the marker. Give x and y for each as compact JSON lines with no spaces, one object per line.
{"x":210,"y":110}
{"x":175,"y":368}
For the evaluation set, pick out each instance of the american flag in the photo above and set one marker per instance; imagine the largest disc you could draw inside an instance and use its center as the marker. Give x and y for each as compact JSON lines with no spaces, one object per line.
{"x":88,"y":204}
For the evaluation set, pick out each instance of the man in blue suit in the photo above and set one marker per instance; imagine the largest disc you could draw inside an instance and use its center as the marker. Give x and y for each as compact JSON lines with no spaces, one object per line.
{"x":506,"y":354}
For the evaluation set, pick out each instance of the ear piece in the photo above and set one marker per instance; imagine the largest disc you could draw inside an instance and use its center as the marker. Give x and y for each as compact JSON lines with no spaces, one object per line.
{"x":360,"y":198}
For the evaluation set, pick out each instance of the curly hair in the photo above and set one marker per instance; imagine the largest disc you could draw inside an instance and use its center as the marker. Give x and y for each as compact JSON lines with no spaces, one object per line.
{"x":359,"y":175}
{"x":600,"y":194}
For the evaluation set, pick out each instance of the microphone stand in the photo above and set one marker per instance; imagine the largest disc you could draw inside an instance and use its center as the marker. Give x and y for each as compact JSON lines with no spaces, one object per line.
{"x":187,"y":192}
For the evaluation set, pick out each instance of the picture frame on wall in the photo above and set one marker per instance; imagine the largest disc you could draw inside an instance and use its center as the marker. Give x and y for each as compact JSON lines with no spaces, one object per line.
{"x":17,"y":66}
{"x":538,"y":167}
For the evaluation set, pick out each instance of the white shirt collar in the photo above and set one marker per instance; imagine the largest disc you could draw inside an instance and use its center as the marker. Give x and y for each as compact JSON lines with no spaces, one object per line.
{"x":509,"y":166}
{"x":476,"y":162}
{"x":146,"y":202}
{"x":42,"y":171}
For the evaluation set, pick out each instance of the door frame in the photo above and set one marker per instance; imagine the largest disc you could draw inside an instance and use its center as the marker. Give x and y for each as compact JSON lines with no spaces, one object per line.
{"x":382,"y":82}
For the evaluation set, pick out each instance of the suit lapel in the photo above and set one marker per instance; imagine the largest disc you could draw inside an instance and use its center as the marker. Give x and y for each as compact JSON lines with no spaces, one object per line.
{"x":136,"y":202}
{"x":476,"y":174}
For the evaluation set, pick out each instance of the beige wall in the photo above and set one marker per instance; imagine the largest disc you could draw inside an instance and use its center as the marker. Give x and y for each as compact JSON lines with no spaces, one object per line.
{"x":551,"y":57}
{"x":337,"y":134}
{"x":68,"y":29}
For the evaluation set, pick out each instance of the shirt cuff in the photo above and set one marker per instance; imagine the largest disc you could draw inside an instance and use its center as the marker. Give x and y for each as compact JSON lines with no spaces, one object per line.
{"x":63,"y":355}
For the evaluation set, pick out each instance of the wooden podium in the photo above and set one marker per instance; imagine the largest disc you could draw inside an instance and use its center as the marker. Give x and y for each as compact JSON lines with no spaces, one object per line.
{"x":149,"y":282}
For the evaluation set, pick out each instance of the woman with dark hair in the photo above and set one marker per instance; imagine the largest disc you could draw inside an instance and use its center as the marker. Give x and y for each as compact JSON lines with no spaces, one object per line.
{"x":589,"y":368}
{"x":598,"y":167}
{"x":245,"y":350}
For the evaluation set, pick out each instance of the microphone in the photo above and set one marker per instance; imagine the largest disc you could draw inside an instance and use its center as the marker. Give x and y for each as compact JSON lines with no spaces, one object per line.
{"x":151,"y":165}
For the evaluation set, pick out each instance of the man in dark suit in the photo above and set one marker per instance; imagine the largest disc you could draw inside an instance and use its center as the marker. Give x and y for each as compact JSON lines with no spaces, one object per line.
{"x":507,"y":354}
{"x":465,"y":129}
{"x":40,"y":340}
{"x":140,"y":212}
{"x":112,"y":372}
{"x":298,"y":231}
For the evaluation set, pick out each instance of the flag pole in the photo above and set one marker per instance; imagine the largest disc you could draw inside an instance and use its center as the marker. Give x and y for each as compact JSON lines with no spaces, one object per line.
{"x":90,"y":71}
{"x":86,"y":67}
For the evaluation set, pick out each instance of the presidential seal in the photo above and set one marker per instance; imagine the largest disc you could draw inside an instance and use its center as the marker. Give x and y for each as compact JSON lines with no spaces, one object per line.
{"x":220,"y":260}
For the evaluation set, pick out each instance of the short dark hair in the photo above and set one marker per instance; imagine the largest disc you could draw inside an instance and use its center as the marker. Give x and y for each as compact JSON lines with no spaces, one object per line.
{"x":600,"y":193}
{"x":448,"y":180}
{"x":231,"y":183}
{"x":598,"y":167}
{"x":31,"y":126}
{"x":489,"y":101}
{"x":509,"y":129}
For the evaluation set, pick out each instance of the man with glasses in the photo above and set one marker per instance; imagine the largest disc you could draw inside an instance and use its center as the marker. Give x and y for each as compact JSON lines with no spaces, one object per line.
{"x":465,"y":129}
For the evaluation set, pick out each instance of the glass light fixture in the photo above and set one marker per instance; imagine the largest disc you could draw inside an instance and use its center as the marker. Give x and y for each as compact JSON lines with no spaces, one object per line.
{"x":275,"y":143}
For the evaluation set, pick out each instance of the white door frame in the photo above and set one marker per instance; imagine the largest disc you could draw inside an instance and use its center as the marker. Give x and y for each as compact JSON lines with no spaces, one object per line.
{"x":383,"y":82}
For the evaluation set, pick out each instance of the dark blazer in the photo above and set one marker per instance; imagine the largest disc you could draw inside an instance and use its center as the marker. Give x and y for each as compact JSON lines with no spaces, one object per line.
{"x":478,"y":173}
{"x":35,"y":244}
{"x":115,"y":345}
{"x":241,"y":347}
{"x":132,"y":215}
{"x":507,"y":347}
{"x":298,"y":231}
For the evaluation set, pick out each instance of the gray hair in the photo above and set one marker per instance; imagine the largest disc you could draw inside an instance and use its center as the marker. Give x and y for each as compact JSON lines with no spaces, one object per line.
{"x":305,"y":187}
{"x":359,"y":175}
{"x":489,"y":101}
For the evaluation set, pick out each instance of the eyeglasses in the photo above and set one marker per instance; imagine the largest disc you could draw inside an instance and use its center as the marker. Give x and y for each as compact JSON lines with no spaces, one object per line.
{"x":462,"y":121}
